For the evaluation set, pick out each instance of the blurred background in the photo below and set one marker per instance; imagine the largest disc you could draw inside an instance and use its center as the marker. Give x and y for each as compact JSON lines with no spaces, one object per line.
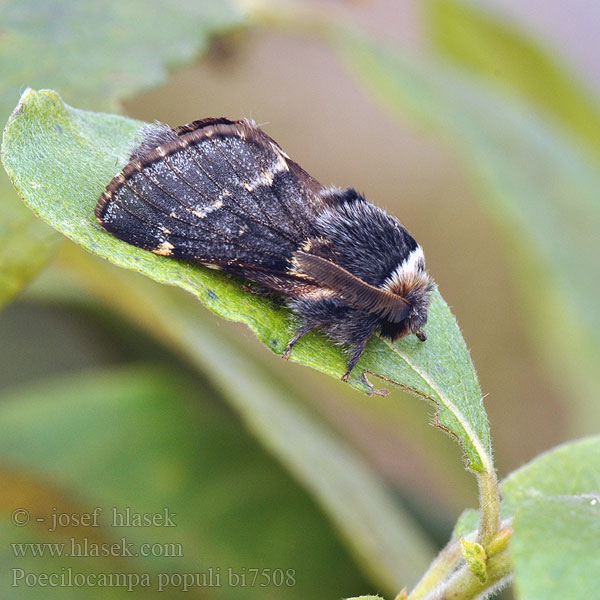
{"x":485,"y":144}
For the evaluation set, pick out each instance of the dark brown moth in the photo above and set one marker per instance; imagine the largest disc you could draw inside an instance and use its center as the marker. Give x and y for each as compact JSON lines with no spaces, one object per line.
{"x":223,"y":193}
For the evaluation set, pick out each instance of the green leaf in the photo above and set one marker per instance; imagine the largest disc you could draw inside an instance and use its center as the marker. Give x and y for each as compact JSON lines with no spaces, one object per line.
{"x":144,"y":439}
{"x":77,"y":154}
{"x":567,"y":470}
{"x":542,"y":187}
{"x":556,"y":548}
{"x":97,"y":53}
{"x":495,"y":50}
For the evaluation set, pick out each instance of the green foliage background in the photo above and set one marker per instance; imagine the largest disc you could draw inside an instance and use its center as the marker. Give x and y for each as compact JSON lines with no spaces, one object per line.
{"x":117,"y":391}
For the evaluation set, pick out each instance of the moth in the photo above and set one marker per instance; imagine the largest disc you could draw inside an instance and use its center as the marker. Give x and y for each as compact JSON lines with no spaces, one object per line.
{"x":225,"y":194}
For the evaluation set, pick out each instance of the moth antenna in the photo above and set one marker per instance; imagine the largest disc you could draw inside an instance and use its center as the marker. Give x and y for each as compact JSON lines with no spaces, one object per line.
{"x":351,"y":289}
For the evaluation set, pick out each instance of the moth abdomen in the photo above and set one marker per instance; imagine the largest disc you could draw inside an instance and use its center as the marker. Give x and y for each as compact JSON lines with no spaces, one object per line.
{"x":223,"y":193}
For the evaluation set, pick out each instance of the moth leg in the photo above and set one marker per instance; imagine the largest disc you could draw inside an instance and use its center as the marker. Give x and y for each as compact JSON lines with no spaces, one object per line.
{"x":304,"y":329}
{"x":355,"y":353}
{"x":373,"y":391}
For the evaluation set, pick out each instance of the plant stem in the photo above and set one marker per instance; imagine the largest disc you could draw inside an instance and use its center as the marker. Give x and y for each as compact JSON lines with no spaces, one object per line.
{"x":463,"y":585}
{"x":441,"y":567}
{"x":489,"y":501}
{"x":443,"y":581}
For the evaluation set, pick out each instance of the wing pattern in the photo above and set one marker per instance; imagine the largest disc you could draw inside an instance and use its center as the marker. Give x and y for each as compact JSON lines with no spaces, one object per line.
{"x":215,"y":191}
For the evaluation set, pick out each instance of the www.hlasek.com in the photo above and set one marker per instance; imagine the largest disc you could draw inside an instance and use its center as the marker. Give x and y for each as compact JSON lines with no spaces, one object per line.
{"x":83,"y":547}
{"x":67,"y":577}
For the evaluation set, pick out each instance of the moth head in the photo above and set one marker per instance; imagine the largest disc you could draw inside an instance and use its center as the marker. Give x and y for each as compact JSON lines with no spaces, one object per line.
{"x":415,"y":318}
{"x":410,"y":281}
{"x":401,"y":303}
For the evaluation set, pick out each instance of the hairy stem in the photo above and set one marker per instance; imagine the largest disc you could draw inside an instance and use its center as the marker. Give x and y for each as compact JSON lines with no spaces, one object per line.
{"x":464,"y":585}
{"x":489,"y":529}
{"x":443,"y":564}
{"x":489,"y":501}
{"x":444,"y":581}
